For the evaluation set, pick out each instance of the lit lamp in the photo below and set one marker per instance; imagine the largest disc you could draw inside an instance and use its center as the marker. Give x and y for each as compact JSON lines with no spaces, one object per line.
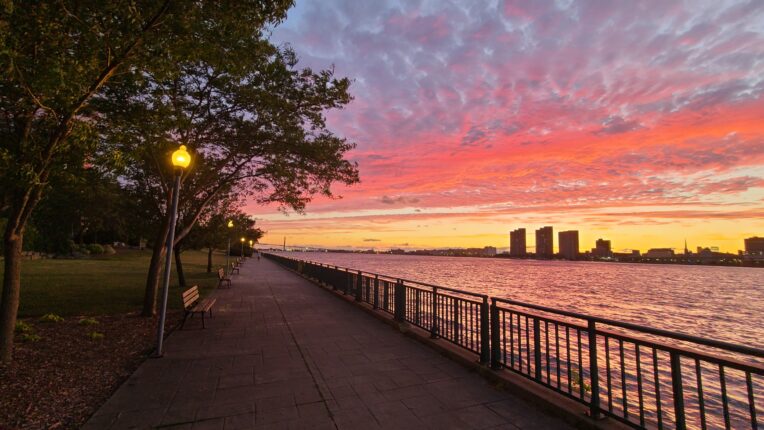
{"x":180,"y":160}
{"x":242,"y":247}
{"x":228,"y":248}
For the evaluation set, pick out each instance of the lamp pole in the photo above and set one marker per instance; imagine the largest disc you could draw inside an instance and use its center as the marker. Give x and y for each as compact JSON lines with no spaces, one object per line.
{"x":180,"y":160}
{"x":251,"y":250}
{"x":228,"y":249}
{"x":242,"y":248}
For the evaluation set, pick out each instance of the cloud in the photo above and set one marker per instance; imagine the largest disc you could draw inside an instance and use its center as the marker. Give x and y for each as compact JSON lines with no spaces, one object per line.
{"x":536,"y":105}
{"x":398,"y":200}
{"x":372,"y":240}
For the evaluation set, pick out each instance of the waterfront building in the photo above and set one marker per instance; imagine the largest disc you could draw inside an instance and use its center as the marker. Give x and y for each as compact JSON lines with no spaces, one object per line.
{"x":568,"y":241}
{"x":602,"y":249}
{"x":544,"y":242}
{"x":754,"y":246}
{"x":517,"y":246}
{"x":660,"y":253}
{"x":489,"y":251}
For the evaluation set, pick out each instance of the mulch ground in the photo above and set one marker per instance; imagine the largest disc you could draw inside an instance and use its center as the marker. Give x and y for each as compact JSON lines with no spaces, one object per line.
{"x":60,"y":380}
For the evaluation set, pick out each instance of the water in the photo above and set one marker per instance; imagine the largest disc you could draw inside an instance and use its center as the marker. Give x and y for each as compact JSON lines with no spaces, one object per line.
{"x":723,"y":303}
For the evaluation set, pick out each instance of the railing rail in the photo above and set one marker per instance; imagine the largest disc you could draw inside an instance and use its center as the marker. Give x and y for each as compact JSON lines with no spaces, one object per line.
{"x":642,"y":376}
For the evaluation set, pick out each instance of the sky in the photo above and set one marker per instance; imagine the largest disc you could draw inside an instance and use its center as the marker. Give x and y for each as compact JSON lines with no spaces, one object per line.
{"x":641,"y":122}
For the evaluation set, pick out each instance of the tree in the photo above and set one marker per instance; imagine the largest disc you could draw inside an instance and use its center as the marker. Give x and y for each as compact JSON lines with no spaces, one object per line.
{"x":254,"y":122}
{"x":212,"y":231}
{"x":56,"y":56}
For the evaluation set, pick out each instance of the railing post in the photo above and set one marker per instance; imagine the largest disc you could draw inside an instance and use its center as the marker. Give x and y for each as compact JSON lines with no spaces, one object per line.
{"x":537,"y":348}
{"x":495,"y":337}
{"x":386,"y":296}
{"x":400,"y":301}
{"x":676,"y":385}
{"x":358,"y":287}
{"x":594,"y":404}
{"x":348,"y":282}
{"x":434,"y":329}
{"x":417,"y":299}
{"x":376,"y":292}
{"x":457,"y":317}
{"x":485,"y":341}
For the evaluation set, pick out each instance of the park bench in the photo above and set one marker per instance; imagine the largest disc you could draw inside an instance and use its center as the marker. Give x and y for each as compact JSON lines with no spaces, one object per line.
{"x":223,"y":279}
{"x":192,"y":304}
{"x":234,"y":267}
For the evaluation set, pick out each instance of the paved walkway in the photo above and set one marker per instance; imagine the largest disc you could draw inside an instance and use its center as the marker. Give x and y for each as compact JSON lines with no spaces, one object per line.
{"x":281,"y":352}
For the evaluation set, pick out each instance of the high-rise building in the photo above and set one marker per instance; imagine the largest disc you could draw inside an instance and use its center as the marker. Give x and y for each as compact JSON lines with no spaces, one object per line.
{"x":568,"y":241}
{"x":754,"y":245}
{"x":544,"y":242}
{"x":517,"y":243}
{"x":602,"y":249}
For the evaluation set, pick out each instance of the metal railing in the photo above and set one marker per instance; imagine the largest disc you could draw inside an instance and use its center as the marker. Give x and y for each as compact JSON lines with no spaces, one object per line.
{"x":641,"y":376}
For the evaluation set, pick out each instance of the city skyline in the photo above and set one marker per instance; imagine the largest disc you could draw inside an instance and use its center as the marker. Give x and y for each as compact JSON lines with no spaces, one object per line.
{"x":639,"y":122}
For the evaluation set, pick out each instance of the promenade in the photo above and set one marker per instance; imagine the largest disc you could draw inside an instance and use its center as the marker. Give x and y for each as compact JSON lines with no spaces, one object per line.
{"x":281,"y":352}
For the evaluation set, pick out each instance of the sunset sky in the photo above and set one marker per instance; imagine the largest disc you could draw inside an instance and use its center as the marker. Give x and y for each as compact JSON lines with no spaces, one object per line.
{"x":637,"y":121}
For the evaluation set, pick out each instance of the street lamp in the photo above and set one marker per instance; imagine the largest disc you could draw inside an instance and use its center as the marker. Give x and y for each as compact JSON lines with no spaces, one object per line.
{"x":180,"y":160}
{"x":228,"y":249}
{"x":242,"y":248}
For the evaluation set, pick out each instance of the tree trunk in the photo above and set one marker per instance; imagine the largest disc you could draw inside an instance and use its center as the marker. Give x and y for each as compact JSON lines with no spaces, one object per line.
{"x":9,"y":305}
{"x":209,"y":260}
{"x":179,"y":267}
{"x":155,"y":269}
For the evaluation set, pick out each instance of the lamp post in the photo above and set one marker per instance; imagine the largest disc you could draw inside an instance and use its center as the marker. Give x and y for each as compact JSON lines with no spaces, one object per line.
{"x":242,"y":248}
{"x":228,"y":249}
{"x":251,"y":250}
{"x":180,"y":160}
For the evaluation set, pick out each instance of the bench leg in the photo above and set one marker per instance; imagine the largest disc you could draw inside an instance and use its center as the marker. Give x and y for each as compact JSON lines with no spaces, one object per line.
{"x":185,"y":315}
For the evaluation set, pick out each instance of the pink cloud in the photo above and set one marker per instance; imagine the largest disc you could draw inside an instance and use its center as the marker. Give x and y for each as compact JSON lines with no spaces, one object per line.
{"x":532,"y":104}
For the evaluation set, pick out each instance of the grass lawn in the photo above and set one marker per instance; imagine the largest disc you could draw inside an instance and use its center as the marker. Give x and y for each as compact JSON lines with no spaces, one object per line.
{"x":104,"y":285}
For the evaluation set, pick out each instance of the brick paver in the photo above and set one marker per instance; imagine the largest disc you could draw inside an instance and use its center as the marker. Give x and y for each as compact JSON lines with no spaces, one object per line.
{"x":281,"y":352}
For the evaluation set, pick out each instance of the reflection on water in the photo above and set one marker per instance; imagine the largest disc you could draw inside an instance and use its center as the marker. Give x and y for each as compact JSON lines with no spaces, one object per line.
{"x":722,"y":303}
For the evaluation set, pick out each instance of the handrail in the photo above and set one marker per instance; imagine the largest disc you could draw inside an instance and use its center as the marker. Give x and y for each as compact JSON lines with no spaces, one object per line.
{"x":636,"y":327}
{"x":440,"y":288}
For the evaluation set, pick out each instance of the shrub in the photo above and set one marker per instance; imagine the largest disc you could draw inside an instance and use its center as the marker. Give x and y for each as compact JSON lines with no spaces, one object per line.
{"x":94,"y":249}
{"x":94,"y":335}
{"x":22,"y":327}
{"x":88,"y":321}
{"x":51,"y":318}
{"x":29,"y":337}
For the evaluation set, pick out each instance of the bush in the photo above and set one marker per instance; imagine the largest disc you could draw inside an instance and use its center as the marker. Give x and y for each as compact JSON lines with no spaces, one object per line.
{"x":51,"y":318}
{"x":94,"y":249}
{"x":94,"y":335}
{"x":29,"y":337}
{"x":22,"y":327}
{"x":88,"y":321}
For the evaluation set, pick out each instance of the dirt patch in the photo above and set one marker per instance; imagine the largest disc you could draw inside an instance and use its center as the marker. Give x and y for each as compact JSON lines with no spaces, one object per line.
{"x":59,"y":380}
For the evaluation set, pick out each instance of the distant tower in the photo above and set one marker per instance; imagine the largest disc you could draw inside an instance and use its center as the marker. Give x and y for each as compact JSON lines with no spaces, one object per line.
{"x":686,"y":250}
{"x":284,"y":247}
{"x":544,"y":242}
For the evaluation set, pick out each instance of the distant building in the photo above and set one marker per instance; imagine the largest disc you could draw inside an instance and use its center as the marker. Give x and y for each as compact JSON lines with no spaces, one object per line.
{"x":602,"y":249}
{"x":517,"y":246}
{"x":489,"y":251}
{"x":754,"y":246}
{"x":544,"y":242}
{"x":659,"y":253}
{"x":568,"y":244}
